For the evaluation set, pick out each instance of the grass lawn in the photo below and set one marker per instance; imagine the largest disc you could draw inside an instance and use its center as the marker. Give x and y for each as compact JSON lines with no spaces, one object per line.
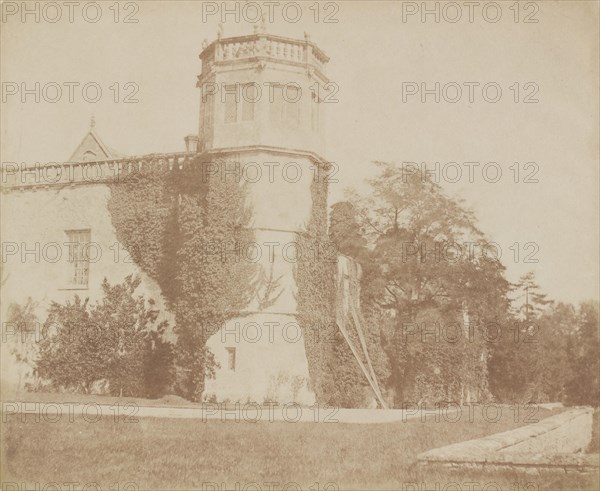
{"x":190,"y":454}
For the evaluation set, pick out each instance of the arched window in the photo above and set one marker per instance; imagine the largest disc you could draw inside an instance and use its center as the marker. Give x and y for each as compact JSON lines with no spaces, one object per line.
{"x":89,"y":155}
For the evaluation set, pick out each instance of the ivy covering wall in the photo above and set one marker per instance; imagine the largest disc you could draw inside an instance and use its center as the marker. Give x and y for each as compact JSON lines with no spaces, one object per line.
{"x":315,"y":282}
{"x":180,"y":227}
{"x":334,"y":373}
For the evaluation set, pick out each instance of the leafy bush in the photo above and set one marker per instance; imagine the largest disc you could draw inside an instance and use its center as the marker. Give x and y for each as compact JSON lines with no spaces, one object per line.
{"x":117,"y":339}
{"x":19,"y":335}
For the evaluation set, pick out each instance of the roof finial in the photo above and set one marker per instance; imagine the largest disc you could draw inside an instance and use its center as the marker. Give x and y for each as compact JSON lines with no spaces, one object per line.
{"x":220,"y":30}
{"x":92,"y":122}
{"x":263,"y":24}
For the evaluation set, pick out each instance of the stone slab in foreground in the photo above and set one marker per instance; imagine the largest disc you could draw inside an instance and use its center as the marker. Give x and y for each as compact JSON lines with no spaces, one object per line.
{"x":552,"y":445}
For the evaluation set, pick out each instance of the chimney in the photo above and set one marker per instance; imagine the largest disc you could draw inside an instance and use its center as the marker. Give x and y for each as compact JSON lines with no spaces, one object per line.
{"x":191,"y":143}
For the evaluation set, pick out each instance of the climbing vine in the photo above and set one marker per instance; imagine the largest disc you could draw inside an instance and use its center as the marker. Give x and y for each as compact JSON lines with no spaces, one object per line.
{"x":188,"y":223}
{"x":142,"y":207}
{"x":181,"y":227}
{"x":315,"y":279}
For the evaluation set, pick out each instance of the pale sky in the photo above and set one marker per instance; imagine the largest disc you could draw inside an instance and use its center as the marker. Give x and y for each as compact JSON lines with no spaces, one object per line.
{"x":373,"y":52}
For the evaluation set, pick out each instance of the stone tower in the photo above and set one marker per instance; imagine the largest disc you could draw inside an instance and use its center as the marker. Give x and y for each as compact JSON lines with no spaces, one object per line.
{"x":261,"y":113}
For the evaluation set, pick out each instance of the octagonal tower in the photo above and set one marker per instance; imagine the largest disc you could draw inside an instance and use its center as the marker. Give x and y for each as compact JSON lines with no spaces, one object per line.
{"x":261,"y":113}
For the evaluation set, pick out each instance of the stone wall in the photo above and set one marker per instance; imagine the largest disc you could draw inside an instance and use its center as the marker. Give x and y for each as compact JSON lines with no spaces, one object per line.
{"x":37,"y":219}
{"x":35,"y":261}
{"x":269,"y":138}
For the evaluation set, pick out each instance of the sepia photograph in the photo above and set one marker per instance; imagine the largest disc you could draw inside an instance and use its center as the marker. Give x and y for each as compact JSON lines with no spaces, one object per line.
{"x":301,"y":245}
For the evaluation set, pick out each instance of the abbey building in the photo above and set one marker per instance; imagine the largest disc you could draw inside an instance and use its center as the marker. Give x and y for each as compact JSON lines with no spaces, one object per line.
{"x":261,"y":111}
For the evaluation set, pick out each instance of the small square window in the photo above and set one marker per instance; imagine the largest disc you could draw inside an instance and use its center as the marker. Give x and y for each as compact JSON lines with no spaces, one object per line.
{"x":231,"y":359}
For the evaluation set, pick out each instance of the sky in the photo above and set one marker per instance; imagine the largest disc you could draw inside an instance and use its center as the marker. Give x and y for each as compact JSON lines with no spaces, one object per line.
{"x":377,"y":55}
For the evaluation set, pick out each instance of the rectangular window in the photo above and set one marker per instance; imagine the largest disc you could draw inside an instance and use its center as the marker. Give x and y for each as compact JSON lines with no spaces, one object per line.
{"x":292,"y":103}
{"x":250,"y":96}
{"x":247,"y":110}
{"x":231,"y":359}
{"x":276,"y":105}
{"x":79,"y":257}
{"x":315,"y":112}
{"x":207,"y":115}
{"x":230,"y":104}
{"x":285,"y":107}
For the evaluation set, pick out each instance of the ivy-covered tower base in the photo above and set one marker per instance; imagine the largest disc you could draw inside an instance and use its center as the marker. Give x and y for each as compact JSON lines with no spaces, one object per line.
{"x":261,"y":125}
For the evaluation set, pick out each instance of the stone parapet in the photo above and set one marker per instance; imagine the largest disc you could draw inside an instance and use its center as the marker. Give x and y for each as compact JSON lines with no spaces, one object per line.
{"x":50,"y":174}
{"x":262,"y":45}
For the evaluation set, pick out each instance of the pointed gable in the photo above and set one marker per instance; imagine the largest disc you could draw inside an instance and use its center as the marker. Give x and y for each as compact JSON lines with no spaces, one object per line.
{"x":91,"y":148}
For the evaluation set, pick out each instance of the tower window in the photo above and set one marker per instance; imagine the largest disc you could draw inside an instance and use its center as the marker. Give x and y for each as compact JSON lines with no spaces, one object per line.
{"x":230,"y":104}
{"x":292,"y":99}
{"x":315,"y":112}
{"x":207,"y":104}
{"x":285,"y":106}
{"x":247,"y":110}
{"x":250,"y":95}
{"x":231,"y":359}
{"x":79,"y":257}
{"x":233,"y":99}
{"x":276,"y":105}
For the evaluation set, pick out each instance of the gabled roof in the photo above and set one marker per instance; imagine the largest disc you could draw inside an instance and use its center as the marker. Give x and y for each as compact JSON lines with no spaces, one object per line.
{"x":92,"y":148}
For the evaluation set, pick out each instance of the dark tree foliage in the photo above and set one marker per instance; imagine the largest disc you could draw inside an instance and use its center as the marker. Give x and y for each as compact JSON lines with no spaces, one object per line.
{"x":348,"y":386}
{"x":158,"y":363}
{"x":530,"y":302}
{"x":71,"y":355}
{"x":420,"y":276}
{"x":549,"y":353}
{"x":421,"y":281}
{"x":583,"y":386}
{"x":118,"y":339}
{"x":345,"y":231}
{"x":528,"y":361}
{"x":20,"y":333}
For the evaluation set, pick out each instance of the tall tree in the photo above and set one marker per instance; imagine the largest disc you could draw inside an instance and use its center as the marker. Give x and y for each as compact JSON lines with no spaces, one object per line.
{"x":533,"y":345}
{"x":423,"y":267}
{"x":584,"y":385}
{"x":549,"y":360}
{"x":530,"y":301}
{"x":345,"y":231}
